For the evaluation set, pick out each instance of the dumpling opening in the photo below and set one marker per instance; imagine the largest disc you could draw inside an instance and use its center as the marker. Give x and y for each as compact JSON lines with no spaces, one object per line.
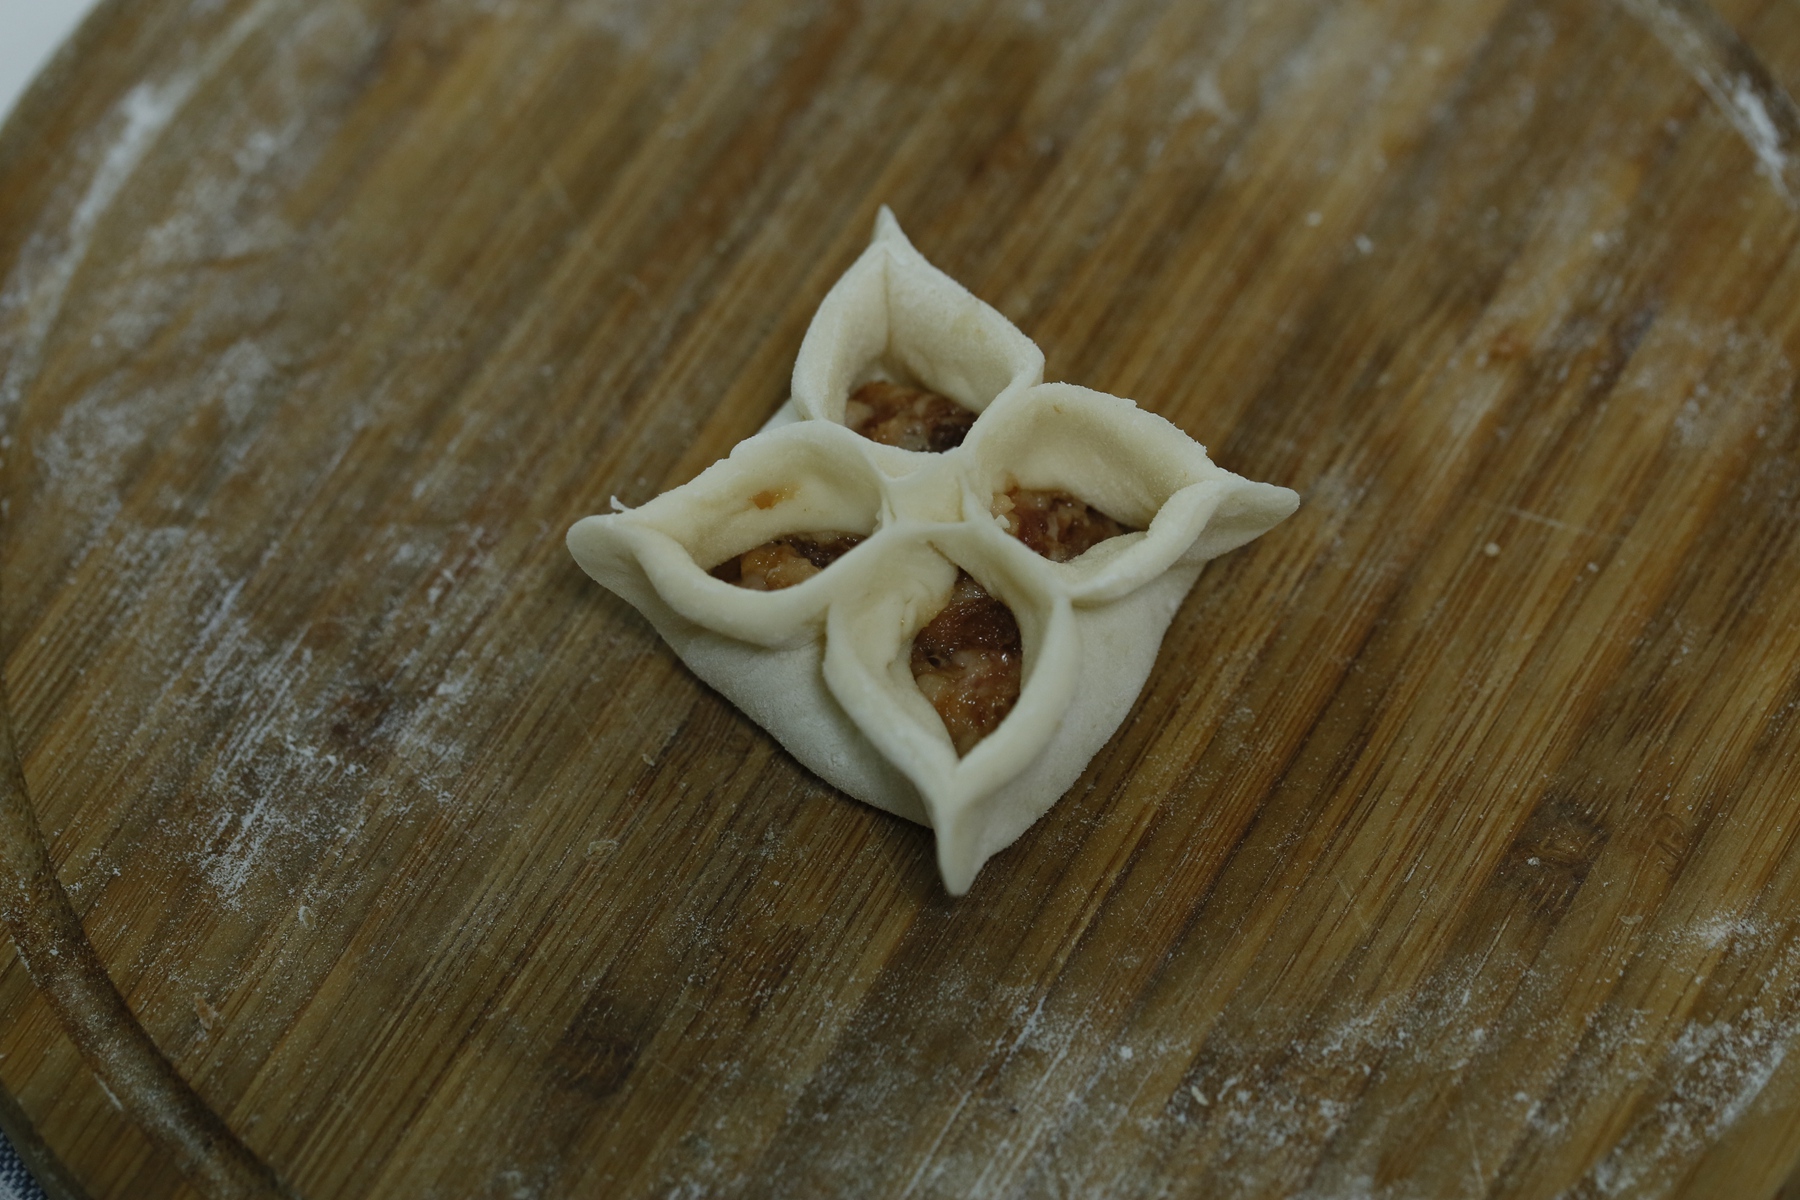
{"x":968,"y":661}
{"x":907,"y":416}
{"x":785,"y":561}
{"x":1056,"y":524}
{"x":806,"y":488}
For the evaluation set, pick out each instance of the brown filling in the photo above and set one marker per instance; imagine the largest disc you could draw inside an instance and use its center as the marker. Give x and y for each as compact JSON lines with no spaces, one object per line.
{"x":968,"y":662}
{"x":1055,"y":524}
{"x":908,"y":417}
{"x":793,"y":558}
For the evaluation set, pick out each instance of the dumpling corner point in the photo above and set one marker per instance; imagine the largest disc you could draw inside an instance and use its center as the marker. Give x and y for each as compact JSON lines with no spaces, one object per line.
{"x":937,"y":580}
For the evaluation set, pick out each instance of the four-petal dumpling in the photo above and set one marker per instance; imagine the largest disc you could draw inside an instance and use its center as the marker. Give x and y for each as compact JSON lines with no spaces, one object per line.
{"x":939,"y":582}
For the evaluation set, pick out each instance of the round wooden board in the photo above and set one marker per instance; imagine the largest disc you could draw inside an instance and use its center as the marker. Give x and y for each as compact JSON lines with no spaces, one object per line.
{"x":1449,"y":851}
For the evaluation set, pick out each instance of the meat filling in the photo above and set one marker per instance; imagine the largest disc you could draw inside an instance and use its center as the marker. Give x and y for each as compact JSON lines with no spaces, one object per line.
{"x":793,"y":558}
{"x":1055,"y":524}
{"x":968,"y":661}
{"x":908,"y":417}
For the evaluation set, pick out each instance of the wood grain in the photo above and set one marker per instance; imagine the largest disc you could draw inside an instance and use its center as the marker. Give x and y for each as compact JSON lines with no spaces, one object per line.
{"x":1449,"y":852}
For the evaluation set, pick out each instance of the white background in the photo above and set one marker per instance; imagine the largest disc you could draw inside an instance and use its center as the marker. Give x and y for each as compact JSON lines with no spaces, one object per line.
{"x":30,"y":30}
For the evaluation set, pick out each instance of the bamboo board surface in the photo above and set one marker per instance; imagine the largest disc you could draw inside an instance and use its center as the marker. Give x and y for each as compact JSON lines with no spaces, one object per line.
{"x":1450,"y":850}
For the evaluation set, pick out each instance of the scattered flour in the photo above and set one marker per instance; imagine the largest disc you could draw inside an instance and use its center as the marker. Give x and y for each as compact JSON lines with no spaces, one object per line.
{"x":31,"y":299}
{"x":1071,"y":1106}
{"x":1709,"y":50}
{"x":272,"y":790}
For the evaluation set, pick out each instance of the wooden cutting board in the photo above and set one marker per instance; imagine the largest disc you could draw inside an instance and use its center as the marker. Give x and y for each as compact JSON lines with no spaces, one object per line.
{"x":1450,"y":850}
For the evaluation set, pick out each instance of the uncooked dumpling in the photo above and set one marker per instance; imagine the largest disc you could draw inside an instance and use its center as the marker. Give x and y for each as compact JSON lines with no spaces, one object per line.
{"x":927,"y":516}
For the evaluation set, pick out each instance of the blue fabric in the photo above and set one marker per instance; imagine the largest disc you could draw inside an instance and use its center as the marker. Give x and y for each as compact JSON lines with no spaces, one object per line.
{"x":16,"y":1182}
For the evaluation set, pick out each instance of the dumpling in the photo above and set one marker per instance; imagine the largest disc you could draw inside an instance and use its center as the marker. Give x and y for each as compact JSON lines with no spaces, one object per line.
{"x":938,"y":581}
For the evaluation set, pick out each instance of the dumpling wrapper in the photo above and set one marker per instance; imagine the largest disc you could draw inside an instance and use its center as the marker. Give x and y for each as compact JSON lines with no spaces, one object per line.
{"x":825,"y":666}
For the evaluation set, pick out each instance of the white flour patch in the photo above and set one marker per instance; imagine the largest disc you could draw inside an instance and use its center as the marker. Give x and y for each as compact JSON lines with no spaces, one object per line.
{"x":33,"y":294}
{"x":1714,"y":1070}
{"x":1680,"y":353}
{"x":1706,"y":47}
{"x":270,"y":793}
{"x":1753,"y":121}
{"x":1719,"y":1070}
{"x":1715,"y":932}
{"x":81,"y":459}
{"x":1309,"y":1117}
{"x":1205,"y":97}
{"x":32,"y":297}
{"x":278,"y":789}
